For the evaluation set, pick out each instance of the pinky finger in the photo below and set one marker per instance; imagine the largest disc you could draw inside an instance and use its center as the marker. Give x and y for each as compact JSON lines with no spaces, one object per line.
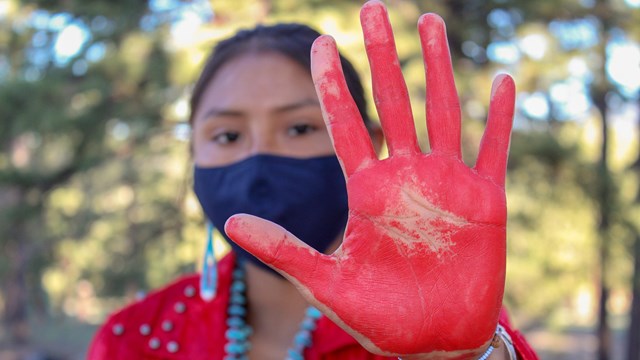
{"x":494,"y":147}
{"x":350,"y":136}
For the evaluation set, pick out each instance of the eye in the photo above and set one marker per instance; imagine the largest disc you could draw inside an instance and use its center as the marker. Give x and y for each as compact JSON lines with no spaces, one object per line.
{"x":301,"y":129}
{"x":226,"y":137}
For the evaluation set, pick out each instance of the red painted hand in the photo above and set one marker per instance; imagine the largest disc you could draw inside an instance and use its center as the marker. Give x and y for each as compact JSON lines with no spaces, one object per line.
{"x":422,"y":264}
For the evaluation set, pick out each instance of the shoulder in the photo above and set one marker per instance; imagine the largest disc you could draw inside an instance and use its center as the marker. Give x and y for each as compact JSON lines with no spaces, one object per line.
{"x":139,"y":327}
{"x":165,"y":324}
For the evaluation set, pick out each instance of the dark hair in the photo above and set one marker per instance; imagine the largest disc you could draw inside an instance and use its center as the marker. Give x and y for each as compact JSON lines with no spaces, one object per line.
{"x":291,"y":40}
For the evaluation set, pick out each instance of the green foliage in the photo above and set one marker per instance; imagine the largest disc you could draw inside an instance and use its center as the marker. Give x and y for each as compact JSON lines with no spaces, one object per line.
{"x":551,"y":240}
{"x":76,"y":135}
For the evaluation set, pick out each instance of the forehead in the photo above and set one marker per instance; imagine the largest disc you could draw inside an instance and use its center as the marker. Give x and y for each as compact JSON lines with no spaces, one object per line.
{"x":258,"y":80}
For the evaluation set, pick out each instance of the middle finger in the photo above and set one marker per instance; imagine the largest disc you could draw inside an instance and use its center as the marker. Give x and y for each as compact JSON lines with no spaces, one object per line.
{"x":389,"y":89}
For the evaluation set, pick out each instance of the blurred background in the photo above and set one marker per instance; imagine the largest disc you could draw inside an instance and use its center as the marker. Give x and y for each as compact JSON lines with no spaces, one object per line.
{"x":95,"y":188}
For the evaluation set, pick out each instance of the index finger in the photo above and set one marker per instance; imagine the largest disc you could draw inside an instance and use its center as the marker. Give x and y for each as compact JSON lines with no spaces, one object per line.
{"x":349,"y":135}
{"x":443,"y":105}
{"x":494,"y":147}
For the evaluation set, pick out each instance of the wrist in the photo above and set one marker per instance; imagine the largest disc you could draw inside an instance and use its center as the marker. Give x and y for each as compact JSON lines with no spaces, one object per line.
{"x":500,"y":348}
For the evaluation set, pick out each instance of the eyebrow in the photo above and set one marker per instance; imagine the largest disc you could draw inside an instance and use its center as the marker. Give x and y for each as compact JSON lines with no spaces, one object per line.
{"x":280,"y":109}
{"x":297,"y":105}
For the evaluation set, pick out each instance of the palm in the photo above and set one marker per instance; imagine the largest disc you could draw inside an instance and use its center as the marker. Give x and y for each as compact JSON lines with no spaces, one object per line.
{"x":434,"y":248}
{"x":421,"y":267}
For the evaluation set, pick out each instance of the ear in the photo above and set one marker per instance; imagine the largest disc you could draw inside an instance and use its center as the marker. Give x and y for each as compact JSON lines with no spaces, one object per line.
{"x":377,"y":137}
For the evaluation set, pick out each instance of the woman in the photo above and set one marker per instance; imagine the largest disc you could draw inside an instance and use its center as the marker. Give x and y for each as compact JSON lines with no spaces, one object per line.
{"x":418,"y":272}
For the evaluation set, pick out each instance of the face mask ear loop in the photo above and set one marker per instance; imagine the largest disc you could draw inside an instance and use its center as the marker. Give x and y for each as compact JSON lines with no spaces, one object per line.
{"x":209,"y":275}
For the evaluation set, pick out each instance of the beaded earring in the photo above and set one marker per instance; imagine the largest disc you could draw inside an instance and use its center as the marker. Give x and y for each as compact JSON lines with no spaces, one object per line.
{"x":209,"y":276}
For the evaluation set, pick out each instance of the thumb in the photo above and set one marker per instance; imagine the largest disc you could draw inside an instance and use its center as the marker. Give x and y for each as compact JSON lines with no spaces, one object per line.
{"x":278,"y":248}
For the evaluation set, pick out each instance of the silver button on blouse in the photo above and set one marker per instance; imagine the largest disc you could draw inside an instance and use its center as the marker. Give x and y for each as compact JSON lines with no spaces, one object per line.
{"x":189,"y":291}
{"x":167,"y":325}
{"x":180,"y":307}
{"x":145,"y":329}
{"x":117,"y":329}
{"x":154,"y":343}
{"x":172,"y":347}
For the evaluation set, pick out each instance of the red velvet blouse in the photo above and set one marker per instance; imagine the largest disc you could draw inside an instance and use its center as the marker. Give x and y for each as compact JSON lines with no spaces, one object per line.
{"x":175,"y":323}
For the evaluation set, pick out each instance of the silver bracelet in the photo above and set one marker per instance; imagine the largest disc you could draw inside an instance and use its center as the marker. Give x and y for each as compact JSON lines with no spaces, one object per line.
{"x":506,"y":339}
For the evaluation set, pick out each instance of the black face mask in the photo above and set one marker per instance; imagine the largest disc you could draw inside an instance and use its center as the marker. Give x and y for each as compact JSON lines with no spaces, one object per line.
{"x":308,"y":197}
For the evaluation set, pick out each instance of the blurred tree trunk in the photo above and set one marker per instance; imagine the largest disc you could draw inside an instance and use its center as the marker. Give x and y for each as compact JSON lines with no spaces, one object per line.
{"x":604,"y":195}
{"x":633,"y":350}
{"x":14,"y":317}
{"x":21,"y":211}
{"x":15,"y":309}
{"x":604,"y":222}
{"x":633,"y":338}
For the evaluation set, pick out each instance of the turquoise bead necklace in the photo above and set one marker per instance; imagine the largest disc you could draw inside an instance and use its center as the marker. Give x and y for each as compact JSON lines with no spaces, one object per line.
{"x":239,"y":331}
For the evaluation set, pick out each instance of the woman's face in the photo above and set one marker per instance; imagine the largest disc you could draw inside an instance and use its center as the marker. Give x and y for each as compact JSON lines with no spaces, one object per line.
{"x":259,"y":103}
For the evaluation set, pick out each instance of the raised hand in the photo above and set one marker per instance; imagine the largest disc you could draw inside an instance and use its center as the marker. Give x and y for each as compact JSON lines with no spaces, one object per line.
{"x":422,"y":264}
